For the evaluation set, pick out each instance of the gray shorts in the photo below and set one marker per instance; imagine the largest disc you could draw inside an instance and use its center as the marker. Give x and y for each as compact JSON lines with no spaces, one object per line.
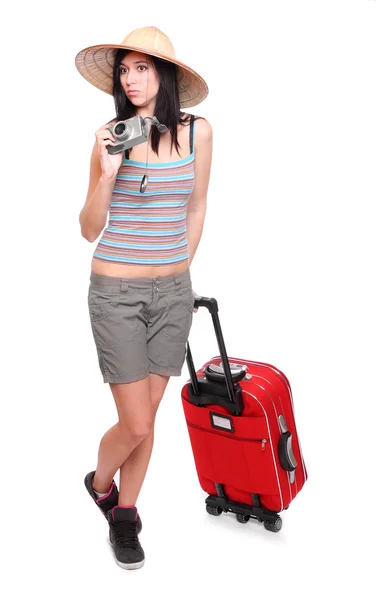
{"x":140,"y":325}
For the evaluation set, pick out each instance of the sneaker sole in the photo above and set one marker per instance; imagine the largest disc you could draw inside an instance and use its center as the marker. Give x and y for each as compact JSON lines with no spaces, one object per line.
{"x":130,"y":566}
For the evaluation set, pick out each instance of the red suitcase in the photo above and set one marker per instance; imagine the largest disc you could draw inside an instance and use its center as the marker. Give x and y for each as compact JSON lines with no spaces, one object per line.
{"x":240,"y":419}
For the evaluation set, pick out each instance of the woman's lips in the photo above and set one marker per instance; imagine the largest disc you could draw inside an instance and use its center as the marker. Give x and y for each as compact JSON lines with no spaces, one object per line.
{"x":131,"y":92}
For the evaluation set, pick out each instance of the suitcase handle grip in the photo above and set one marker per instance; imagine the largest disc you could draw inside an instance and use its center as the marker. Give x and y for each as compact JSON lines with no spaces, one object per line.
{"x":212,"y":305}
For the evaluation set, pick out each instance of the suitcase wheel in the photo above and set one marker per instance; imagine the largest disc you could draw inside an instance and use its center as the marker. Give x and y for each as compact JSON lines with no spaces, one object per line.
{"x":213,"y":510}
{"x":274,"y":526}
{"x":242,"y":518}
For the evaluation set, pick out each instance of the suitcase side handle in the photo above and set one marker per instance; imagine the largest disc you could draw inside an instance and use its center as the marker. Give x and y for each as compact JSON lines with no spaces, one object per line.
{"x":235,"y":399}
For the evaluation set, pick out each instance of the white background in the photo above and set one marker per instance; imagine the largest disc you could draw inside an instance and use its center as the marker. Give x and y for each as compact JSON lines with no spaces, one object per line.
{"x":288,"y":250}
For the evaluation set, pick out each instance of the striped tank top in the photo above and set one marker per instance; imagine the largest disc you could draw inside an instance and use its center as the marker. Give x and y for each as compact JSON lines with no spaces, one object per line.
{"x":149,"y":228}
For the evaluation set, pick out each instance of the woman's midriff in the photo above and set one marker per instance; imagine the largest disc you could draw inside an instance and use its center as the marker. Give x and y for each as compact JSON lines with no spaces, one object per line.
{"x":111,"y":269}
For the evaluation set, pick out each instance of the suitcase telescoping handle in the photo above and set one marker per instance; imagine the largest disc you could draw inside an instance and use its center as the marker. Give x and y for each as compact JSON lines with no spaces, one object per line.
{"x":212,"y":305}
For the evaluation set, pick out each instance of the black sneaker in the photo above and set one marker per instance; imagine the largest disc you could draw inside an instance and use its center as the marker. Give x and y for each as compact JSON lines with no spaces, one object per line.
{"x":107,"y":502}
{"x":124,"y":539}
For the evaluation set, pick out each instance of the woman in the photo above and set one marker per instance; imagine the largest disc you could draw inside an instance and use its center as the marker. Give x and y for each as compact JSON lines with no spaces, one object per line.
{"x":140,"y":296}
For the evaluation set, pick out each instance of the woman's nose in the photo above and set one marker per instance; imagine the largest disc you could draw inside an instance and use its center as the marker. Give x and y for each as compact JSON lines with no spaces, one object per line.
{"x":131,"y":77}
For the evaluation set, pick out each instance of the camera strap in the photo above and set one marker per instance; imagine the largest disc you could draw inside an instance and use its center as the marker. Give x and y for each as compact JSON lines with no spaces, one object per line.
{"x":162,"y":128}
{"x":145,"y":178}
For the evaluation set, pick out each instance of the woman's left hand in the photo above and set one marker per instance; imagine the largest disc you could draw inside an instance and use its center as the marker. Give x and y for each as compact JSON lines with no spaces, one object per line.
{"x":195,"y":296}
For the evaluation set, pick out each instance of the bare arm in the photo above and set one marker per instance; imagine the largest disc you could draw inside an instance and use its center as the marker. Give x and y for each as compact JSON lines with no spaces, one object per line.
{"x":197,"y":202}
{"x":93,"y":215}
{"x":103,"y":172}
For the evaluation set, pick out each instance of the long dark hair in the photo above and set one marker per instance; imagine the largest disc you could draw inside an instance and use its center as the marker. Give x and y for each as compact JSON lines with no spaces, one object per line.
{"x":167,"y":107}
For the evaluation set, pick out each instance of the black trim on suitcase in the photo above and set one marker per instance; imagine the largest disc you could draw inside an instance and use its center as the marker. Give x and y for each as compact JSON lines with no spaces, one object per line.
{"x":221,"y":422}
{"x":255,"y":500}
{"x":285,"y":452}
{"x":220,"y":490}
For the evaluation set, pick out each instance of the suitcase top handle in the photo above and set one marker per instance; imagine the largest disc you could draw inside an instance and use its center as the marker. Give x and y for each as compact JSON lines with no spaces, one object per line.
{"x":216,"y":372}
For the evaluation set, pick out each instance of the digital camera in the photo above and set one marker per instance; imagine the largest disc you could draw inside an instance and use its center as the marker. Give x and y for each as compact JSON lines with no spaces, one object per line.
{"x":128,"y":133}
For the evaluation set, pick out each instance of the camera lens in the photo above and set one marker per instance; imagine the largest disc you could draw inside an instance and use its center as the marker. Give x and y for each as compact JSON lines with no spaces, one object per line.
{"x":121,"y":130}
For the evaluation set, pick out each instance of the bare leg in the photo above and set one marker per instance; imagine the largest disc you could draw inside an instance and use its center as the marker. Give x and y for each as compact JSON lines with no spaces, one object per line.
{"x":133,"y":403}
{"x":133,"y":470}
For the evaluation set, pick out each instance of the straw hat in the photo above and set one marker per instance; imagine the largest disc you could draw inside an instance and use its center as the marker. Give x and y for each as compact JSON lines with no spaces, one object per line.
{"x":96,"y":63}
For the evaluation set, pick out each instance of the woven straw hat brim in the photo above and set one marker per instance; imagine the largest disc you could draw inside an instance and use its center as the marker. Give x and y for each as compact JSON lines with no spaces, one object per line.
{"x":96,"y":65}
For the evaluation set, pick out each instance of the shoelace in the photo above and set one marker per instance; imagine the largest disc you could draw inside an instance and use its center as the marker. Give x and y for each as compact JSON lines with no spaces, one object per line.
{"x":125,"y":533}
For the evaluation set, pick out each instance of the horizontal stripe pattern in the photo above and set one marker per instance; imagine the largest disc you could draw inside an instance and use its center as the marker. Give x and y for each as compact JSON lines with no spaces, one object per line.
{"x":148,"y":228}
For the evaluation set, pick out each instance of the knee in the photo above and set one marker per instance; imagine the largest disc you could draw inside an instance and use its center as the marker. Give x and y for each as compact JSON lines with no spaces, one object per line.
{"x":136,"y":430}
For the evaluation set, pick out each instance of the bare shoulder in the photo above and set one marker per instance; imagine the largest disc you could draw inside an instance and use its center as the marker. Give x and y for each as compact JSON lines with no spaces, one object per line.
{"x":203,"y":130}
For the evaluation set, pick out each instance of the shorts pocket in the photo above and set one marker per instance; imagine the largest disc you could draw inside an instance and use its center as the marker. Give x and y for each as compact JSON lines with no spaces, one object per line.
{"x":97,"y":313}
{"x":112,"y":328}
{"x":177,"y":355}
{"x":180,"y":317}
{"x":100,"y":300}
{"x":113,"y":322}
{"x":101,"y":296}
{"x":186,"y":295}
{"x":190,"y":300}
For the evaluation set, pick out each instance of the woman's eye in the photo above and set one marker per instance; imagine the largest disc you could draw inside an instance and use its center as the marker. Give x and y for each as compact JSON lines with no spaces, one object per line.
{"x":143,"y":67}
{"x":122,"y":70}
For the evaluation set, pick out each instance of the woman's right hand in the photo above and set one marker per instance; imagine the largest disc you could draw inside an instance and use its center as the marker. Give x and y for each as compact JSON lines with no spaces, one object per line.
{"x":110,"y":163}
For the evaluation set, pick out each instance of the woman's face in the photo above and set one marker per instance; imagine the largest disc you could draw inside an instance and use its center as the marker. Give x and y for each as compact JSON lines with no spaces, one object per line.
{"x":139,"y":79}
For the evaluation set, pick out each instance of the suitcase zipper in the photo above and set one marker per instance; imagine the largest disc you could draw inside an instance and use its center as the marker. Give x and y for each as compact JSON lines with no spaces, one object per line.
{"x":262,"y":441}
